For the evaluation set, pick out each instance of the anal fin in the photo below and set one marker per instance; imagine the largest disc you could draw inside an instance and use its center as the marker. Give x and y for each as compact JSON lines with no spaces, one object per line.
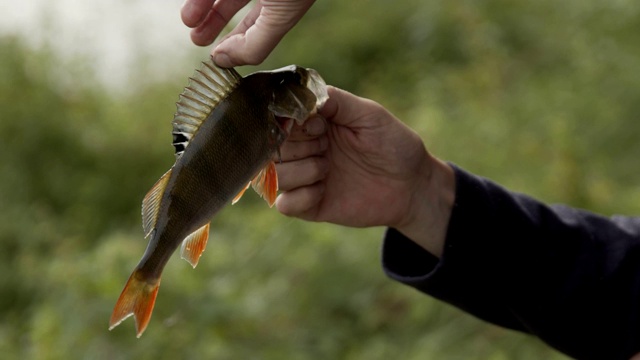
{"x":266,"y":183}
{"x":193,"y":246}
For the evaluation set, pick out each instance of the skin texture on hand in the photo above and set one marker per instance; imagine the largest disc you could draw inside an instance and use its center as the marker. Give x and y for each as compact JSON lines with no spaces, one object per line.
{"x":255,"y":36}
{"x":363,"y":167}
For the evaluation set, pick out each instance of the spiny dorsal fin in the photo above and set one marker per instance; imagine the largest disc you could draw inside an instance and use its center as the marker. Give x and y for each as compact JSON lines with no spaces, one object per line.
{"x":266,"y":183}
{"x":207,"y":87}
{"x":151,"y":204}
{"x":193,"y":246}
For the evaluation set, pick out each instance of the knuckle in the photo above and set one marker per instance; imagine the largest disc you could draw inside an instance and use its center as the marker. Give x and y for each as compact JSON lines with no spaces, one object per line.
{"x":319,"y":167}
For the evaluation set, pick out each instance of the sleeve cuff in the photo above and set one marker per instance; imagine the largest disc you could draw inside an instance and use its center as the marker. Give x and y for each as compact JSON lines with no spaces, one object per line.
{"x":464,"y":275}
{"x":405,"y":261}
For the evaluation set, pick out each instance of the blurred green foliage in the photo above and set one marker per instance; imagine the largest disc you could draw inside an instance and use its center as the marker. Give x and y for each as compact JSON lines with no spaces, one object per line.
{"x":540,"y":96}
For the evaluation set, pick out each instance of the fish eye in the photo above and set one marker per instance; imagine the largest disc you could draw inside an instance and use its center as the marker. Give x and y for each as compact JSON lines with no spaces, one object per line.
{"x":274,"y":134}
{"x":274,"y":131}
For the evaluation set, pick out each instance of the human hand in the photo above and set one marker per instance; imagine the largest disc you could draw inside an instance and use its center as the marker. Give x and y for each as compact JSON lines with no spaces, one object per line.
{"x":253,"y":38}
{"x":363,"y":167}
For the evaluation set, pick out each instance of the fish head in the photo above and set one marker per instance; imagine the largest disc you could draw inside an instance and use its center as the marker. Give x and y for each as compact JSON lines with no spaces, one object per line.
{"x":297,"y":94}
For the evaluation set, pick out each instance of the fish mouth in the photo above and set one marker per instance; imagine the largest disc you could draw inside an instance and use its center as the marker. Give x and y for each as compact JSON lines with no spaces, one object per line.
{"x":285,"y":124}
{"x":314,"y":83}
{"x":317,"y":85}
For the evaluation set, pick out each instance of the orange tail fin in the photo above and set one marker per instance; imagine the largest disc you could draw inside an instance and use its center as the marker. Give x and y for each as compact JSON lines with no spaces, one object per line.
{"x":137,"y":299}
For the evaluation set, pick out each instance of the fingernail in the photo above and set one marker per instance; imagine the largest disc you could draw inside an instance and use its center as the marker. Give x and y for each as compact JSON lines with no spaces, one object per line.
{"x":317,"y":125}
{"x":222,"y":60}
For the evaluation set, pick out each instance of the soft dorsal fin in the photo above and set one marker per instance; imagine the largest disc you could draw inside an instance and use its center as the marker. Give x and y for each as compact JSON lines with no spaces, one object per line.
{"x":207,"y":87}
{"x":193,"y":246}
{"x":151,"y":204}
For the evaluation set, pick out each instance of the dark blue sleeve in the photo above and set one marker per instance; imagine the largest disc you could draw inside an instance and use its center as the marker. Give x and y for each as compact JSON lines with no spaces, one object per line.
{"x":568,"y":276}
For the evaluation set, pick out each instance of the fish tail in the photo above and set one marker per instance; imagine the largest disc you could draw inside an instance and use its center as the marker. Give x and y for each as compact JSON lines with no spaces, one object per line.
{"x":137,"y":299}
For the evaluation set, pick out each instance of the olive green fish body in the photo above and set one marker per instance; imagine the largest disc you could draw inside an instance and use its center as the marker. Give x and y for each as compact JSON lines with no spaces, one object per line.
{"x":234,"y":143}
{"x":226,"y":132}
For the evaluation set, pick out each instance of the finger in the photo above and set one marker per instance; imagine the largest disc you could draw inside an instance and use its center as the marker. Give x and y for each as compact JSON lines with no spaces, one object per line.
{"x":253,"y":39}
{"x":312,"y":128}
{"x":345,"y":108}
{"x":245,"y":49}
{"x":301,"y":173}
{"x":296,"y":150}
{"x":302,"y":202}
{"x":247,"y":22}
{"x":256,"y":36}
{"x":223,"y":53}
{"x":194,"y":11}
{"x":331,"y":107}
{"x":215,"y":21}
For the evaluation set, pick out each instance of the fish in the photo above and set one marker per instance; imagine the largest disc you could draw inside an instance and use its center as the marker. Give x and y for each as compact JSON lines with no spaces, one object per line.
{"x":227,"y":131}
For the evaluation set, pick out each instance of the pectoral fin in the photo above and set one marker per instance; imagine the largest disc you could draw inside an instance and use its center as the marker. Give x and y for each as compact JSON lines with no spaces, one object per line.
{"x":237,"y":198}
{"x":266,"y":183}
{"x":193,"y":246}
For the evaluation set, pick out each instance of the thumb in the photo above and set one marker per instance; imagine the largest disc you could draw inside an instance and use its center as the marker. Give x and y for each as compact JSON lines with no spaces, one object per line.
{"x":253,"y":39}
{"x":347,"y":109}
{"x":250,"y":48}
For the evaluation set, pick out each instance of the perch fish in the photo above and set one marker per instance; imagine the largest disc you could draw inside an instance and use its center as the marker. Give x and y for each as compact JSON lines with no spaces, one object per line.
{"x":226,"y":132}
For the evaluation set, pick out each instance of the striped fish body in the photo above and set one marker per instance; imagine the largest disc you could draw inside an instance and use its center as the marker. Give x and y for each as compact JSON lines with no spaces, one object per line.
{"x":226,"y":132}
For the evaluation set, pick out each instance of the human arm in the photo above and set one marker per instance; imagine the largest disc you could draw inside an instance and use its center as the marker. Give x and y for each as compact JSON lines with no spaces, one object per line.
{"x":253,"y":38}
{"x":568,"y":276}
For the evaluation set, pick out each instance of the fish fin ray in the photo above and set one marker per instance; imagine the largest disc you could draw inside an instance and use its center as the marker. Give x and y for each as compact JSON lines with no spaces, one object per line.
{"x":266,"y":183}
{"x":237,"y":198}
{"x":151,"y":203}
{"x":193,"y":245}
{"x":137,"y":298}
{"x":207,"y":87}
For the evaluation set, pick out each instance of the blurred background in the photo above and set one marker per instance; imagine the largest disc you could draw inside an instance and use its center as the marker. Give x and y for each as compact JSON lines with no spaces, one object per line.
{"x":540,"y":96}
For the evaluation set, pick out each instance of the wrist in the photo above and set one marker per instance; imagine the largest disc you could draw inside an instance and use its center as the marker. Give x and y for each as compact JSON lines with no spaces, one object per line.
{"x":430,"y":207}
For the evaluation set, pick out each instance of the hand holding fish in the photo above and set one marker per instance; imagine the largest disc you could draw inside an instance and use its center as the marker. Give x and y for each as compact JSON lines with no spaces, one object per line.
{"x":366,"y":169}
{"x":253,"y":38}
